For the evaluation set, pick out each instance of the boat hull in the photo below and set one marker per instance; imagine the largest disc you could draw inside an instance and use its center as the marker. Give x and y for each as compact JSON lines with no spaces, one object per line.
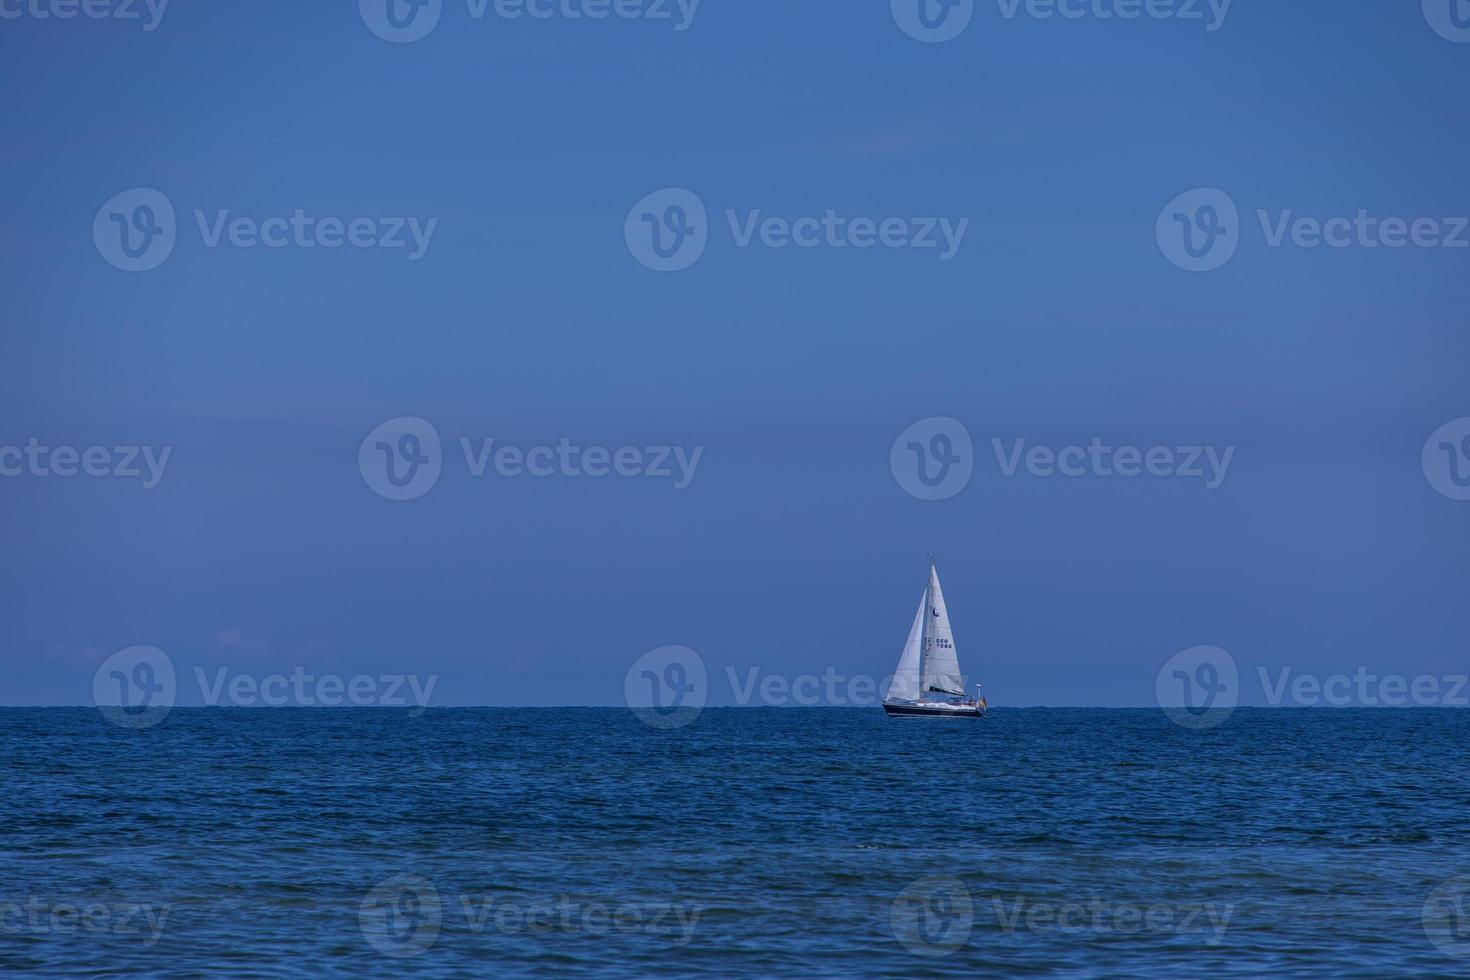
{"x":933,"y":711}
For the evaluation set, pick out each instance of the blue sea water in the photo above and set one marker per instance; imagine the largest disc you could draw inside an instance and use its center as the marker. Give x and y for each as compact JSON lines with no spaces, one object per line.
{"x":775,"y":842}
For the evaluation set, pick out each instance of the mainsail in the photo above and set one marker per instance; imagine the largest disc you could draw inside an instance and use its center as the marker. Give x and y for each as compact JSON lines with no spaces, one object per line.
{"x":905,"y":683}
{"x":941,"y":674}
{"x":928,"y":664}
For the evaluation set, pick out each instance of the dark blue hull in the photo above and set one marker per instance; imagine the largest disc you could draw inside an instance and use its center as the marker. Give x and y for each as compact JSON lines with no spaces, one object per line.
{"x":933,"y":711}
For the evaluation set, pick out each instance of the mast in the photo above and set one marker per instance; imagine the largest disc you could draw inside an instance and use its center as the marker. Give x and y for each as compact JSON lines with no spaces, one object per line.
{"x":924,"y":636}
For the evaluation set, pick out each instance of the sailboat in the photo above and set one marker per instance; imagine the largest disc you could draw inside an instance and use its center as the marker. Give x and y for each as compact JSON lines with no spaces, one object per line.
{"x":927,"y":683}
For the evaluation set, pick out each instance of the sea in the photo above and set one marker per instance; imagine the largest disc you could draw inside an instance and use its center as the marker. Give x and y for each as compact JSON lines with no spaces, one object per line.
{"x":823,"y":842}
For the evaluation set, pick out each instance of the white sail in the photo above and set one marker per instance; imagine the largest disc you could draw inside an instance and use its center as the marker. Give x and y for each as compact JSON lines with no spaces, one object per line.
{"x":941,"y":672}
{"x":905,"y":683}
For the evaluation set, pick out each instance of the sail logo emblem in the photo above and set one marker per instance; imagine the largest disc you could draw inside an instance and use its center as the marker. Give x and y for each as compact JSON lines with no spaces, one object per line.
{"x":1198,"y":687}
{"x":400,"y":21}
{"x":933,"y":916}
{"x":135,"y":687}
{"x":401,"y":916}
{"x":668,"y":230}
{"x":135,"y":230}
{"x":667,"y":687}
{"x":1449,"y":18}
{"x":1446,"y":459}
{"x":1199,"y":230}
{"x":933,"y":459}
{"x":933,"y":21}
{"x":401,"y":459}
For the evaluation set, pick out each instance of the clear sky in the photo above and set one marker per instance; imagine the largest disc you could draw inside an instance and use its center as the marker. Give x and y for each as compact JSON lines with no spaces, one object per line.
{"x":529,"y":319}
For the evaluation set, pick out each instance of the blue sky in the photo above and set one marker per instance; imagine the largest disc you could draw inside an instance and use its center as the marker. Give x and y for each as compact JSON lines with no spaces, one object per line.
{"x":528,"y":320}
